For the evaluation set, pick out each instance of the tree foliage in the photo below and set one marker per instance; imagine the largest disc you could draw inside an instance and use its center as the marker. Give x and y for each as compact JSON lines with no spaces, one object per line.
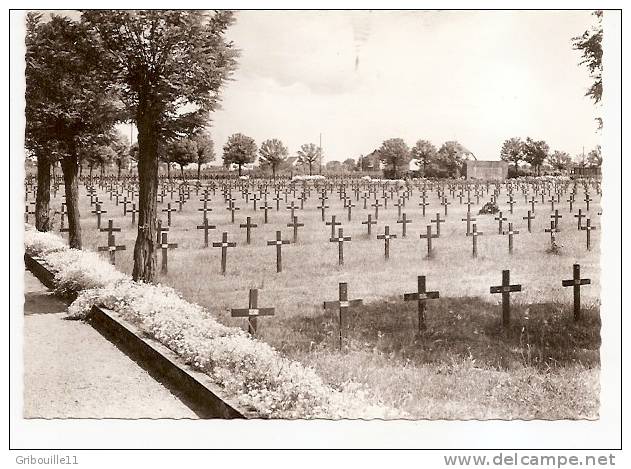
{"x":535,"y":153}
{"x":69,"y":103}
{"x":394,"y":153}
{"x":512,"y":151}
{"x":169,"y":67}
{"x":309,"y":154}
{"x":205,"y":148}
{"x":181,"y":152}
{"x":239,"y":149}
{"x":425,"y":152}
{"x":590,"y":45}
{"x":451,"y":158}
{"x":595,"y":158}
{"x":272,"y":154}
{"x":560,"y":160}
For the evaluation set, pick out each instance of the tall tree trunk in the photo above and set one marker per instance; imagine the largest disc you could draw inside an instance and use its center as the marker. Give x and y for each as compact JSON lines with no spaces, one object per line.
{"x":119,"y":164}
{"x":42,"y":199}
{"x":182,"y":171}
{"x":70,"y":167}
{"x":239,"y":169}
{"x":274,"y":171}
{"x":199,"y":170}
{"x":168,"y":169}
{"x":310,"y":164}
{"x":145,"y":259}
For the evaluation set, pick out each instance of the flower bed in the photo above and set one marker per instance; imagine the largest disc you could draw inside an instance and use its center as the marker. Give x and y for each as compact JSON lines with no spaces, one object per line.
{"x":253,"y":372}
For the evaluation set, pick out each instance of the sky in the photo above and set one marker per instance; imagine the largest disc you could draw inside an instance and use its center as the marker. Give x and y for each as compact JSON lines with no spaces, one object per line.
{"x":360,"y":77}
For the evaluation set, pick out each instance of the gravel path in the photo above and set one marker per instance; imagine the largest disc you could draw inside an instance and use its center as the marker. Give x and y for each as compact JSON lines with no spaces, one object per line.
{"x":71,"y":371}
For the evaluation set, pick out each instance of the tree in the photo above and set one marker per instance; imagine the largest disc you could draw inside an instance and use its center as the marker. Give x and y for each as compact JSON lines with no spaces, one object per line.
{"x":394,"y":153}
{"x":512,"y":151}
{"x":97,"y":154}
{"x":309,"y":154}
{"x":170,"y":66}
{"x":451,"y":157}
{"x":560,"y":160}
{"x":239,"y":149}
{"x":425,"y":152}
{"x":590,"y":44}
{"x":120,"y":145}
{"x":333,"y":167}
{"x":595,"y":157}
{"x":181,"y":152}
{"x":205,"y":149}
{"x":69,"y":104}
{"x":535,"y":153}
{"x":349,"y":165}
{"x":272,"y":153}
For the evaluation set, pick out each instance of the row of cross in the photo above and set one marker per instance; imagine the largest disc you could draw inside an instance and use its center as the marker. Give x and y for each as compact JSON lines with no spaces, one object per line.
{"x":420,"y":296}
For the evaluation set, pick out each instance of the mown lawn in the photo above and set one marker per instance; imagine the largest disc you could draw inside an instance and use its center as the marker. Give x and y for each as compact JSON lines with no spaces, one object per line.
{"x":464,"y":365}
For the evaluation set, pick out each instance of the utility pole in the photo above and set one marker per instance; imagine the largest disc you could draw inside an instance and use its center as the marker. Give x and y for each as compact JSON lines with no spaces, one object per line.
{"x":320,"y":151}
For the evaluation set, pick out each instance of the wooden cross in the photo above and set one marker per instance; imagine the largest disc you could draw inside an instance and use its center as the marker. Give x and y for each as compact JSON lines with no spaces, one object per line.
{"x":348,"y":204}
{"x":404,"y":221}
{"x":265,"y":207}
{"x":474,"y":234}
{"x":342,"y":304}
{"x":532,"y":204}
{"x":111,"y":242}
{"x":576,"y":282}
{"x":571,"y":202}
{"x":125,"y":202}
{"x":252,"y":312}
{"x":165,"y":246}
{"x":588,"y":228}
{"x":468,"y":220}
{"x":365,"y":198}
{"x":399,"y":205}
{"x":333,"y":224}
{"x":205,"y":209}
{"x":322,"y":208}
{"x":27,"y":212}
{"x":551,"y":230}
{"x":529,"y":218}
{"x":429,"y":236}
{"x":386,"y":239}
{"x":295,"y":225}
{"x":510,"y":234}
{"x":277,"y":198}
{"x":511,"y":202}
{"x":556,"y":217}
{"x":278,"y":242}
{"x":133,"y":211}
{"x":168,"y":211}
{"x":580,"y":215}
{"x":376,"y":205}
{"x":500,"y":219}
{"x":293,"y":208}
{"x":248,"y":225}
{"x":369,"y":222}
{"x":587,"y":200}
{"x":255,"y":198}
{"x":181,"y":201}
{"x":233,"y":208}
{"x":340,"y":241}
{"x":421,"y":296}
{"x":205,"y":226}
{"x":444,"y":203}
{"x":159,"y":230}
{"x":224,"y":245}
{"x":98,"y":213}
{"x":438,"y":221}
{"x":552,"y":200}
{"x":506,"y":289}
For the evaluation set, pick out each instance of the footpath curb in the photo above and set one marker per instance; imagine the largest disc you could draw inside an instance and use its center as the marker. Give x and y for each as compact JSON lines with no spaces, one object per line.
{"x":203,"y":396}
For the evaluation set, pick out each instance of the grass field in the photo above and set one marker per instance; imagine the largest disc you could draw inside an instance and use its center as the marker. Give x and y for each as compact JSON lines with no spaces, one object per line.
{"x":464,"y":365}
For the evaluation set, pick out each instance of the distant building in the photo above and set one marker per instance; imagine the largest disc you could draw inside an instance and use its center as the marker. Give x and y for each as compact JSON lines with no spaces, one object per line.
{"x":485,"y":170}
